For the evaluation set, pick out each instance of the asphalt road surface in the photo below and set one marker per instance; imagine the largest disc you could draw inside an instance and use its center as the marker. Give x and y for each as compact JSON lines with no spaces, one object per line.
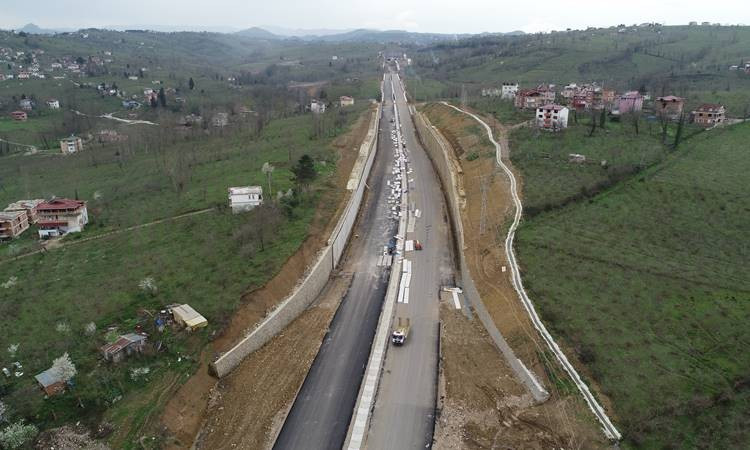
{"x":403,"y":417}
{"x":319,"y":418}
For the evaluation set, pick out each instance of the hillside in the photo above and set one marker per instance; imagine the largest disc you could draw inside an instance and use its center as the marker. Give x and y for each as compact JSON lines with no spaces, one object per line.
{"x":683,"y":60}
{"x":648,"y":284}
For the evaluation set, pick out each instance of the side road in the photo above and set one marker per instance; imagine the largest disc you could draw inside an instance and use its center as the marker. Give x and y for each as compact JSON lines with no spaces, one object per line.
{"x":609,"y":429}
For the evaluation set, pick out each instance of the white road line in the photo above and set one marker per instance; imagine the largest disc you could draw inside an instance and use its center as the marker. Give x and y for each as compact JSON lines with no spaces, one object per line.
{"x":609,"y":429}
{"x":406,"y":295}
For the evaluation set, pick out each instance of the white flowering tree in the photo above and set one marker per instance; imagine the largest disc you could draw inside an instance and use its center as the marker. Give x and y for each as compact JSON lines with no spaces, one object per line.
{"x":13,"y":350}
{"x":64,"y":368}
{"x":268,"y":171}
{"x":148,"y":286}
{"x":17,"y":435}
{"x":89,"y":329}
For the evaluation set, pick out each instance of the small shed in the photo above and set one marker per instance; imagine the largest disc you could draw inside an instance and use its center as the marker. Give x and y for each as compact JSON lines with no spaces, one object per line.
{"x":50,"y":382}
{"x":186,"y":316}
{"x":125,"y":345}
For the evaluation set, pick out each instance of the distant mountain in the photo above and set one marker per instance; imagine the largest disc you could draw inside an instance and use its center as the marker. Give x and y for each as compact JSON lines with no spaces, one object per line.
{"x":303,"y":32}
{"x":258,"y":33}
{"x":34,"y":29}
{"x":389,"y":36}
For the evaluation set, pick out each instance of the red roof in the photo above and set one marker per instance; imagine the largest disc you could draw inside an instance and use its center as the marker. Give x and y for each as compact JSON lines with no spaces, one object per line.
{"x":57,"y":204}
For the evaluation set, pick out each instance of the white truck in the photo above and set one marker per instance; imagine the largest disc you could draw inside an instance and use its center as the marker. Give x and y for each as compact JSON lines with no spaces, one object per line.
{"x":401,"y":332}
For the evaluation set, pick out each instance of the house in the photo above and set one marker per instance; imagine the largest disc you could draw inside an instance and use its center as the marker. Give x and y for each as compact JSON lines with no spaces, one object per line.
{"x":629,"y":102}
{"x":50,"y":382}
{"x":186,"y":316}
{"x":72,"y":144}
{"x":106,"y":136}
{"x":534,"y":98}
{"x":19,"y":115}
{"x":346,"y":101}
{"x":53,"y":103}
{"x":12,"y":224}
{"x":220,"y":119}
{"x":569,"y":91}
{"x":26,"y":104}
{"x":708,"y":115}
{"x":317,"y":106}
{"x":508,"y":91}
{"x":245,"y":198}
{"x":669,"y":107}
{"x":60,"y":216}
{"x":28,"y":206}
{"x":23,"y":75}
{"x":552,"y":117}
{"x":125,"y":345}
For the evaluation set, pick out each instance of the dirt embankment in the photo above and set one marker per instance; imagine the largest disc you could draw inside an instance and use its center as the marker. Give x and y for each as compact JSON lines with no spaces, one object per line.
{"x":484,"y":404}
{"x":185,"y":413}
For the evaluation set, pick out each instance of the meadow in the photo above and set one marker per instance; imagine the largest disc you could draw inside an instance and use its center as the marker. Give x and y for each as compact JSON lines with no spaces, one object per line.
{"x":647,"y":284}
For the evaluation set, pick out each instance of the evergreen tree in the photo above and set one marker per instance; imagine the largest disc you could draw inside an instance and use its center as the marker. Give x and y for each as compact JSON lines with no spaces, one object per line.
{"x":304,"y":172}
{"x":191,"y":83}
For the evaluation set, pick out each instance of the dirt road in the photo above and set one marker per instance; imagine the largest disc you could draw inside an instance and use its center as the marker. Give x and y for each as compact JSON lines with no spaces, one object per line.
{"x":485,"y":215}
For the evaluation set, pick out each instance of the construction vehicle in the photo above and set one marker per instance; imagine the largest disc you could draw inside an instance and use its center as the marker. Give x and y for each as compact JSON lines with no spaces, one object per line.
{"x":401,"y":332}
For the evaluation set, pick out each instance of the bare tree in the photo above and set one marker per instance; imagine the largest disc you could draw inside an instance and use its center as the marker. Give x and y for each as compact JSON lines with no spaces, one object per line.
{"x":268,"y":171}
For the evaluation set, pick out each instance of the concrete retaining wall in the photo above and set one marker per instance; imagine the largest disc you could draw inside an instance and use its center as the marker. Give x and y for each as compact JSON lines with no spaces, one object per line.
{"x":441,"y":154}
{"x":316,"y":277}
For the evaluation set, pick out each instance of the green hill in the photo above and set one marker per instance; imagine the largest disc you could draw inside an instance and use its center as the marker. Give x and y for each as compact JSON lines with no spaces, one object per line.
{"x":648,"y":284}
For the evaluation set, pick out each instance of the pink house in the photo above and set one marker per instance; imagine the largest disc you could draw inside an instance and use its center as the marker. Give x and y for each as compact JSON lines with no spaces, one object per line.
{"x":629,"y":102}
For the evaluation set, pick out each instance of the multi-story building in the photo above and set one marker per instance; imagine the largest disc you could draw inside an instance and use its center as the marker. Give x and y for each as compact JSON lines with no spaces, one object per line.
{"x":72,"y":144}
{"x":552,"y":117}
{"x":12,"y":224}
{"x":509,"y":91}
{"x":28,"y":206}
{"x":629,"y":102}
{"x":669,"y":107}
{"x":534,"y":98}
{"x":708,"y":115}
{"x":60,"y":216}
{"x":345,"y":100}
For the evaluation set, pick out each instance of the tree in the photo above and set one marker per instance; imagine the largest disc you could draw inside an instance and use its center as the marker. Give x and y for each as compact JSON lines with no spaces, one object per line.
{"x":603,"y":118}
{"x":191,"y":83}
{"x":268,"y":170}
{"x":304,"y":172}
{"x":17,"y":435}
{"x":162,"y":98}
{"x":678,"y":133}
{"x":64,"y":368}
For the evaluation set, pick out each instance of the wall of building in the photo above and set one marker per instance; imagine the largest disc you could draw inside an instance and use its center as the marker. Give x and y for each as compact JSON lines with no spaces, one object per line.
{"x":316,"y":277}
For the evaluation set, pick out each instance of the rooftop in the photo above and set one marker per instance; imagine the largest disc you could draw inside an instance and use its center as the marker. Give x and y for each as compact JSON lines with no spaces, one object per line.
{"x":60,"y":203}
{"x":245,"y":190}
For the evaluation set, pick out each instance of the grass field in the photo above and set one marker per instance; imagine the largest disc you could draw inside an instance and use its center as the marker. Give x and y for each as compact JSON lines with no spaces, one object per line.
{"x":550,"y":180}
{"x":196,"y":260}
{"x":648,"y":283}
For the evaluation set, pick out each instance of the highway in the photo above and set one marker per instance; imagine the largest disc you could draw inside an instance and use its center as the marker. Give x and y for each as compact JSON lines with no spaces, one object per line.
{"x":404,"y":410}
{"x":320,"y":415}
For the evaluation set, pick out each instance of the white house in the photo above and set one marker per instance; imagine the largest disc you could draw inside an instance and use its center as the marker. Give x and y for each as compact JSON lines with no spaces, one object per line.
{"x":245,"y":198}
{"x":317,"y":106}
{"x":552,"y":117}
{"x":70,"y":145}
{"x":346,"y":100}
{"x":60,"y":216}
{"x":53,"y":103}
{"x":509,"y":91}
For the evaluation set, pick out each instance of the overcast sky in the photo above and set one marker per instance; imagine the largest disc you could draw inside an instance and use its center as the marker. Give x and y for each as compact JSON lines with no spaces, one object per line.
{"x":445,"y":16}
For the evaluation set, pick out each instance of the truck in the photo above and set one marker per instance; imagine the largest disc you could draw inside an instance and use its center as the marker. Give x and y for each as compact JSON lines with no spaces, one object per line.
{"x":401,"y":332}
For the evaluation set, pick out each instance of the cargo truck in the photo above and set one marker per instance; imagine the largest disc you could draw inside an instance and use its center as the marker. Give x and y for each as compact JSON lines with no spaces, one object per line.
{"x":401,"y":332}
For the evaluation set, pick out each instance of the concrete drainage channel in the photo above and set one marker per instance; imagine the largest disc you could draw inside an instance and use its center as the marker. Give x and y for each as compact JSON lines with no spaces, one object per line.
{"x":366,"y":399}
{"x":609,"y":429}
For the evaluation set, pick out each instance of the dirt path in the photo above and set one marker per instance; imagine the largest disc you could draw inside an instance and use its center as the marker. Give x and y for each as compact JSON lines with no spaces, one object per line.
{"x":185,"y":413}
{"x":485,"y":215}
{"x":56,"y":243}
